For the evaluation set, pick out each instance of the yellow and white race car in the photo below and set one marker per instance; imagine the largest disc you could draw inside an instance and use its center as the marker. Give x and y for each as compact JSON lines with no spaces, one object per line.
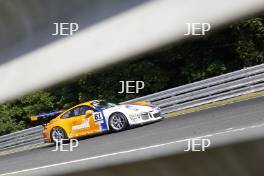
{"x":94,"y":117}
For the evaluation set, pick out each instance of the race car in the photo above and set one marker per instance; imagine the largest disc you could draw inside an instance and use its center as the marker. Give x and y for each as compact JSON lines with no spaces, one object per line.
{"x":95,"y":117}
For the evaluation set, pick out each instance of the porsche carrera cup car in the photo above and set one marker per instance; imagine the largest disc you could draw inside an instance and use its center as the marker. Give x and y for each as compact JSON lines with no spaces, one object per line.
{"x":94,"y":117}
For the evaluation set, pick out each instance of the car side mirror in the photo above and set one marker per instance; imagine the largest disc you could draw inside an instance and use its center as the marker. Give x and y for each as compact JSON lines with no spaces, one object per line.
{"x":89,"y":112}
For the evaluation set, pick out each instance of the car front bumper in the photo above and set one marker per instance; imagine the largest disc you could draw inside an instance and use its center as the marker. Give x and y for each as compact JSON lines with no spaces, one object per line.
{"x":145,"y":117}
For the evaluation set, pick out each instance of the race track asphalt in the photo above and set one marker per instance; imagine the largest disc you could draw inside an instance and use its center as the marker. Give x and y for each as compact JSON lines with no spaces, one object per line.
{"x":95,"y":150}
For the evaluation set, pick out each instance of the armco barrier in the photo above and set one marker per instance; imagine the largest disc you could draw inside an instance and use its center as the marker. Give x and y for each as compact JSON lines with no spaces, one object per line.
{"x":198,"y":93}
{"x":21,"y":138}
{"x":209,"y":90}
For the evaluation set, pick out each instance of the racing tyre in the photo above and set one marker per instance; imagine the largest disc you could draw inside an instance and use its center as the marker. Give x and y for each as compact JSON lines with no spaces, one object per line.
{"x":58,"y":135}
{"x":118,"y":122}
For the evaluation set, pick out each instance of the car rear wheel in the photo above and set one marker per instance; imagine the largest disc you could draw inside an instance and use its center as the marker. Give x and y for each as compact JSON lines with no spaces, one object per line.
{"x":118,"y":122}
{"x":58,"y":135}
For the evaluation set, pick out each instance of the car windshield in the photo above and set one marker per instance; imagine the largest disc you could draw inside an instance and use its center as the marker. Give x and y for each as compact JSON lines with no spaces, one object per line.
{"x":103,"y":105}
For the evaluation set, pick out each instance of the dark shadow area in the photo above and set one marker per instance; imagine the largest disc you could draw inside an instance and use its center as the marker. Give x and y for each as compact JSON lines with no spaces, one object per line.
{"x":28,"y":24}
{"x":244,"y":159}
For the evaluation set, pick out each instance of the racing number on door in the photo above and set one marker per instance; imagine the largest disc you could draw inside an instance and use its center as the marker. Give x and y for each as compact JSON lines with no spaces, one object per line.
{"x":98,"y":116}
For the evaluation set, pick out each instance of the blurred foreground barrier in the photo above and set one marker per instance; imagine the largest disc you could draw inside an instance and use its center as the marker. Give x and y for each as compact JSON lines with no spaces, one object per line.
{"x":235,"y":159}
{"x":191,"y":95}
{"x":27,"y":39}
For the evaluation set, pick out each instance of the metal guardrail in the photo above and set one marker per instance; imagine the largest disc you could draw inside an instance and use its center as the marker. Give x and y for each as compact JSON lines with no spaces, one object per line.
{"x":191,"y":95}
{"x":21,"y":138}
{"x":209,"y":90}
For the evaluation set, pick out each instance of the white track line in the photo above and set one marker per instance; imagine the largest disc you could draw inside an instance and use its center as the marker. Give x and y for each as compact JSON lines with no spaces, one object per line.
{"x":130,"y":151}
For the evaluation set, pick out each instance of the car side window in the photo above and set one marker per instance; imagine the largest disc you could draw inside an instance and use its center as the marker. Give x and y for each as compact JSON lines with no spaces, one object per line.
{"x":81,"y":110}
{"x":68,"y":114}
{"x":76,"y":111}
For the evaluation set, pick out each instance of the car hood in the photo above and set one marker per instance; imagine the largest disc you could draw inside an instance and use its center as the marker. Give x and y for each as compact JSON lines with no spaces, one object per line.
{"x":132,"y":107}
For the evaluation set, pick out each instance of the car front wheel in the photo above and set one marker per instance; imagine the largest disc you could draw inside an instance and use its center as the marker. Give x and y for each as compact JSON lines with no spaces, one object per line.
{"x":118,"y":122}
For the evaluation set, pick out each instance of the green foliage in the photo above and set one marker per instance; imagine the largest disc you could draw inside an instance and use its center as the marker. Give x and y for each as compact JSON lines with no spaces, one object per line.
{"x":250,"y":41}
{"x":8,"y":121}
{"x":15,"y":115}
{"x":237,"y":46}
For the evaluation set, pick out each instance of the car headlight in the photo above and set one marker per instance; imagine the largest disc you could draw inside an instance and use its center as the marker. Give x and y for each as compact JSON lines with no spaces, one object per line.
{"x":132,"y":108}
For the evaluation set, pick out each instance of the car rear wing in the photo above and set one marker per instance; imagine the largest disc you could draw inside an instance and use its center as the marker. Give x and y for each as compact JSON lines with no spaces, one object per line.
{"x":45,"y":117}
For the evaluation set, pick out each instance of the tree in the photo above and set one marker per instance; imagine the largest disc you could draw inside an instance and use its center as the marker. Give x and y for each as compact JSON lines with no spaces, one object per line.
{"x":15,"y":115}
